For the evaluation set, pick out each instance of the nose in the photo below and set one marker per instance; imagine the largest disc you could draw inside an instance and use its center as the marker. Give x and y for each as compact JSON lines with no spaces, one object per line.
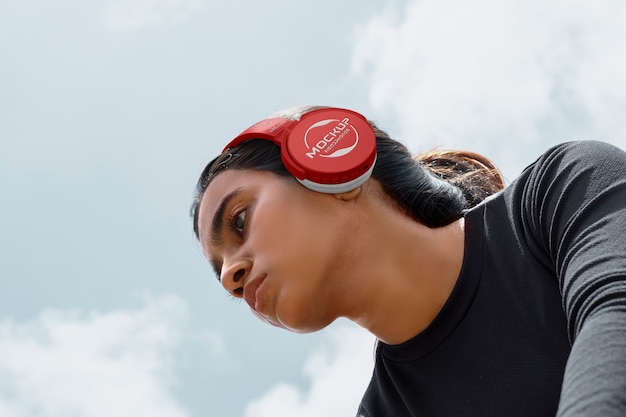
{"x":234,"y":275}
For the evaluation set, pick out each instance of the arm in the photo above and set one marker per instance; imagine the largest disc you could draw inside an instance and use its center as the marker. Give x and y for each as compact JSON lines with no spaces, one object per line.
{"x":578,"y":196}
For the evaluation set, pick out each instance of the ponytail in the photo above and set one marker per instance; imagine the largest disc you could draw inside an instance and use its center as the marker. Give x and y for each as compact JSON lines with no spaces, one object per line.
{"x":434,"y":188}
{"x":475,"y":175}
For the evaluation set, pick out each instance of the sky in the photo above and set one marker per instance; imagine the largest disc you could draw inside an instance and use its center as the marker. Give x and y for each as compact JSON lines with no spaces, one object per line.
{"x":109,"y":110}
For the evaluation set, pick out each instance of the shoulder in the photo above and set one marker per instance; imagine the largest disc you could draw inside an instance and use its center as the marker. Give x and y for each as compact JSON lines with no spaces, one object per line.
{"x":586,"y":152}
{"x":581,"y":163}
{"x":577,"y":170}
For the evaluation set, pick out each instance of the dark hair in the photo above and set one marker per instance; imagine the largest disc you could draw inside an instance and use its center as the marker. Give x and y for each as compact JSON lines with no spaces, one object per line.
{"x":434,"y":188}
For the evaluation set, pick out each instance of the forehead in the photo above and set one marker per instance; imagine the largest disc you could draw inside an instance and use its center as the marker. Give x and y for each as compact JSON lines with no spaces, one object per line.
{"x":246,"y":181}
{"x":220,"y":187}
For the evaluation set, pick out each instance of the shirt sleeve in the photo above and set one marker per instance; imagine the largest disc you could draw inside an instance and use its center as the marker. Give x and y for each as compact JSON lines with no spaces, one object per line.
{"x":576,"y":197}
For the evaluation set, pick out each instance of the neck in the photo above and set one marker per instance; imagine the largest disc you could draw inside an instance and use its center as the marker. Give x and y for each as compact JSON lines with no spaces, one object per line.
{"x":405,"y":275}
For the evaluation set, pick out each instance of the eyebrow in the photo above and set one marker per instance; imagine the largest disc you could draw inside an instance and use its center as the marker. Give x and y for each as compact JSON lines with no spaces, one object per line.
{"x":217,"y":223}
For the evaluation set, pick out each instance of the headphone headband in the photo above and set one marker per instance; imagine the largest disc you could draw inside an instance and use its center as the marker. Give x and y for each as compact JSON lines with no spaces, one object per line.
{"x":329,"y":150}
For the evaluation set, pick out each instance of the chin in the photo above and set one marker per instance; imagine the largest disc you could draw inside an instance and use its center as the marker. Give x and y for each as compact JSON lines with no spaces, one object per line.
{"x":300,"y":324}
{"x":289,"y":314}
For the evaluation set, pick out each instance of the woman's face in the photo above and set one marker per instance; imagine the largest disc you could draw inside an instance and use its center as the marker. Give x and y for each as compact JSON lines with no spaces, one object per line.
{"x":276,"y":244}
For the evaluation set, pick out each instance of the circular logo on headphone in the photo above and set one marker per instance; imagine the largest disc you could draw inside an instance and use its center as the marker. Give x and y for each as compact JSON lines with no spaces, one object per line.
{"x":330,"y":146}
{"x":330,"y":138}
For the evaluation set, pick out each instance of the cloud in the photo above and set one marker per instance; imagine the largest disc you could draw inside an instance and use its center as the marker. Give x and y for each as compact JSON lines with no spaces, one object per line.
{"x":338,"y":370}
{"x":128,"y":15}
{"x":98,"y":364}
{"x":497,"y":76}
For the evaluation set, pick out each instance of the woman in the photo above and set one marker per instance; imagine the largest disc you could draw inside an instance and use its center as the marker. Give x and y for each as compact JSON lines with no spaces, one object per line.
{"x":485,"y":302}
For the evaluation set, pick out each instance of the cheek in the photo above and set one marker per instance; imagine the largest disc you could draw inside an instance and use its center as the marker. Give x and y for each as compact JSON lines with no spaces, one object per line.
{"x":288,"y":228}
{"x":299,"y":247}
{"x":293,"y":243}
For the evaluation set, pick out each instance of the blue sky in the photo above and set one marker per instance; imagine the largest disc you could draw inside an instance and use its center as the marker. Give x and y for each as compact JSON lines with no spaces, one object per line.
{"x":110,"y":109}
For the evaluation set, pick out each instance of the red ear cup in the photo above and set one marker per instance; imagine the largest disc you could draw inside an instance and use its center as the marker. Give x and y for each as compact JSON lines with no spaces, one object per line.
{"x":328,"y":150}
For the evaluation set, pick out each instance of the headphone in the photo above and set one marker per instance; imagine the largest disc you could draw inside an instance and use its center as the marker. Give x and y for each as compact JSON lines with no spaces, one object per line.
{"x":329,"y":150}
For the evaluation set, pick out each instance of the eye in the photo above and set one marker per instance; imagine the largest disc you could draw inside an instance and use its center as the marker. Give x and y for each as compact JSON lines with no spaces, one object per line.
{"x":238,"y":221}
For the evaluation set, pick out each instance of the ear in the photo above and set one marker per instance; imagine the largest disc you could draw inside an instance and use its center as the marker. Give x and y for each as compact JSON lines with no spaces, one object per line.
{"x":349,"y":195}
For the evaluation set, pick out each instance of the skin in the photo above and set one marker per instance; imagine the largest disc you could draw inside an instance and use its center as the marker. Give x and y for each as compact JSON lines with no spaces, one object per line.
{"x":323,"y":256}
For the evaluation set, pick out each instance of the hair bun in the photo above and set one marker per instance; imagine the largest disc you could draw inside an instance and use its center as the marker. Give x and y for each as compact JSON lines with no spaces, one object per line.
{"x":475,"y":175}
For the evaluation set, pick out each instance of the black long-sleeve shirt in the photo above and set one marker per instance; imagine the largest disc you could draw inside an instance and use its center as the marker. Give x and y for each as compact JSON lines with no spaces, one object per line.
{"x":536,"y":324}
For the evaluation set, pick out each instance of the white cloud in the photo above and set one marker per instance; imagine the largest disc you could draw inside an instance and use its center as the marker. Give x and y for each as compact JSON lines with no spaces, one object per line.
{"x":98,"y":364}
{"x":125,"y":15}
{"x":339,"y":370}
{"x":213,"y":341}
{"x":493,"y":75}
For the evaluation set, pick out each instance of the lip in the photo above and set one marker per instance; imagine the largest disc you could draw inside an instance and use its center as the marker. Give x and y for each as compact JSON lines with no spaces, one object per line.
{"x":253,"y":292}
